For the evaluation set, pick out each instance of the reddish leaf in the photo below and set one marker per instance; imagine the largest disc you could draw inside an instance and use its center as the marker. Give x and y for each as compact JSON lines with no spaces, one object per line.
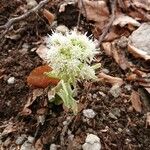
{"x":48,"y":15}
{"x":135,"y":100}
{"x":37,"y":78}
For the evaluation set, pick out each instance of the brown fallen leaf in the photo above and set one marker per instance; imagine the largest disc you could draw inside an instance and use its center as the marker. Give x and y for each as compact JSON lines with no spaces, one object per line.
{"x":110,"y":79}
{"x":37,"y":78}
{"x":42,"y":52}
{"x":119,"y":56}
{"x":145,"y":4}
{"x":39,"y":144}
{"x":49,"y":16}
{"x":136,"y":102}
{"x":9,"y":129}
{"x":131,"y":77}
{"x":96,"y":11}
{"x":123,"y":20}
{"x":26,"y":110}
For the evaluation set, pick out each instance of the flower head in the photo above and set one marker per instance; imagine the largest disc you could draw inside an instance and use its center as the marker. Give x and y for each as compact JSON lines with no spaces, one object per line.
{"x":69,"y":56}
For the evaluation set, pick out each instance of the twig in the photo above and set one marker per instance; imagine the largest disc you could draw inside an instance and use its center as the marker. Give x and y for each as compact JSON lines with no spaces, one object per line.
{"x":10,"y":22}
{"x":105,"y":31}
{"x":79,"y":16}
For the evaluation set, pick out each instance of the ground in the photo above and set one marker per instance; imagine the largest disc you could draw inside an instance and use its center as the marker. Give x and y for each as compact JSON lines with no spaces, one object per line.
{"x":118,"y":126}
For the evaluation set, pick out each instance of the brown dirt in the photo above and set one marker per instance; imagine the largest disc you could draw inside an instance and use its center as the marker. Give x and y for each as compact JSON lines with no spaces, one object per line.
{"x":127,"y":132}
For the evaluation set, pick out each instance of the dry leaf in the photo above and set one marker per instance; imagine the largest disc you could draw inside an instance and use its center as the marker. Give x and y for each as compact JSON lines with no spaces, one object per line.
{"x":145,"y":4}
{"x":131,"y":77}
{"x":42,"y":52}
{"x":49,"y":16}
{"x":123,"y":20}
{"x":39,"y":144}
{"x":118,"y":55}
{"x":135,"y":100}
{"x":37,"y":78}
{"x":36,"y":93}
{"x":110,"y":79}
{"x":139,"y":42}
{"x":107,"y":48}
{"x":25,"y":112}
{"x":9,"y":129}
{"x":95,"y":10}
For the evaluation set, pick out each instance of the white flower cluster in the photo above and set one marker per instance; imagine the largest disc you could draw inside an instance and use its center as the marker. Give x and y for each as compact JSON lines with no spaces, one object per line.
{"x":70,"y":54}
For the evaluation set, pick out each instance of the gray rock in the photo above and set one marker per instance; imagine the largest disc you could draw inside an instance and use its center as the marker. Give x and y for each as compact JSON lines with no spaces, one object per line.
{"x":115,"y":90}
{"x":11,"y":80}
{"x":89,"y":113}
{"x":53,"y":147}
{"x":61,"y":28}
{"x":140,"y":38}
{"x":20,"y":139}
{"x":92,"y":142}
{"x":116,"y":112}
{"x":27,"y":146}
{"x":111,"y":115}
{"x":31,"y":139}
{"x":31,"y":3}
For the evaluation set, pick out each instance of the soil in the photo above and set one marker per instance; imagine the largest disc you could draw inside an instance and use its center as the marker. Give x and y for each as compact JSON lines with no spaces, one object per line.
{"x":127,"y":131}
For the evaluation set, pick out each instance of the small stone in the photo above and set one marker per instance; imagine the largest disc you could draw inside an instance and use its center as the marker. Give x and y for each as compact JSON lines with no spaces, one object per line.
{"x":94,"y":96}
{"x":27,"y":146}
{"x":89,"y":113}
{"x":128,"y":87}
{"x":31,"y":3}
{"x":30,"y":139}
{"x":102,"y":94}
{"x":123,"y":42}
{"x":65,"y":123}
{"x":11,"y":80}
{"x":116,"y":112}
{"x":20,"y":139}
{"x":53,"y":147}
{"x":26,"y":46}
{"x":71,"y":137}
{"x":92,"y":142}
{"x":105,"y":70}
{"x":119,"y":129}
{"x":61,"y":28}
{"x":115,"y":90}
{"x":111,"y":115}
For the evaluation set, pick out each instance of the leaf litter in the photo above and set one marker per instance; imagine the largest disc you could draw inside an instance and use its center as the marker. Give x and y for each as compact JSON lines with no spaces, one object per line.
{"x":122,"y":60}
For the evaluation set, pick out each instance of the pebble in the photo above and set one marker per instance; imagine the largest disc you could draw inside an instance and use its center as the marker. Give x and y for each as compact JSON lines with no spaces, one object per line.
{"x":89,"y":113}
{"x":30,"y":139}
{"x":53,"y":147}
{"x":116,"y":112}
{"x":20,"y":139}
{"x":11,"y":80}
{"x":128,"y":87}
{"x":61,"y":28}
{"x":31,"y":3}
{"x":111,"y":115}
{"x":115,"y":91}
{"x":92,"y":142}
{"x":27,"y":146}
